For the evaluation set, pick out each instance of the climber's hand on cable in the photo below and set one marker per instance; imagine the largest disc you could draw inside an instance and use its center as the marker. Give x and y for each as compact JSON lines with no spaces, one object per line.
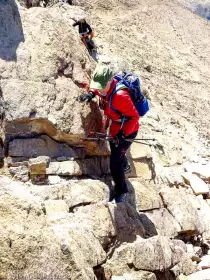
{"x":87,"y":97}
{"x":120,"y":136}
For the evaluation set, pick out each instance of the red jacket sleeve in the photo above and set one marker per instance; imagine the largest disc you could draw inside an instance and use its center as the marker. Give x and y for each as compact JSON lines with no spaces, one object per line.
{"x":123,"y":103}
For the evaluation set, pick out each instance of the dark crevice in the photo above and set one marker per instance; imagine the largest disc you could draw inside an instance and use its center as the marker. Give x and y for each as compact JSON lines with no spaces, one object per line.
{"x":166,"y":275}
{"x":71,"y":209}
{"x":99,"y":272}
{"x":10,"y":243}
{"x":44,"y":210}
{"x":165,"y":206}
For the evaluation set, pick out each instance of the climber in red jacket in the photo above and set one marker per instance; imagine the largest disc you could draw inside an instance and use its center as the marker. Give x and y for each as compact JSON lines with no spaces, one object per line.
{"x":103,"y":84}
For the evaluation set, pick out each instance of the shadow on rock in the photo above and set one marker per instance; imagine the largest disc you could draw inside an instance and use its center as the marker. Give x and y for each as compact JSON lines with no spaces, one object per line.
{"x":129,"y":223}
{"x":11,"y":31}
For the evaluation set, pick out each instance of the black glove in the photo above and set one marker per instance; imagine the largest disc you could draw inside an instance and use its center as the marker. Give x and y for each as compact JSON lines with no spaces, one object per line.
{"x":87,"y":97}
{"x":121,"y":136}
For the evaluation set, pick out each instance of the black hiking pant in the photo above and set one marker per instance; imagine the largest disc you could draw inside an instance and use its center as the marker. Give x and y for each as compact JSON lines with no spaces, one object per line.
{"x":118,"y":161}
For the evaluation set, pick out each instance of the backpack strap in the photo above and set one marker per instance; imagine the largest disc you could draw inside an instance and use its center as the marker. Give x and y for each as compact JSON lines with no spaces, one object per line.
{"x":118,"y":87}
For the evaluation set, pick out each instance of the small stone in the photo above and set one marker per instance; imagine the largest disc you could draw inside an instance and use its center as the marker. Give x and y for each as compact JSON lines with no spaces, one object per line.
{"x":148,"y":68}
{"x":37,"y":166}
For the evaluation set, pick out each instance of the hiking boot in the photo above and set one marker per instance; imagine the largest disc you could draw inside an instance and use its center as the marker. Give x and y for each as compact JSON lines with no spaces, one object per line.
{"x":121,"y":198}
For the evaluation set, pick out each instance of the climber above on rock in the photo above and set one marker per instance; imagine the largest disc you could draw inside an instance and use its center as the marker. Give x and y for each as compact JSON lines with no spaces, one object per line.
{"x":103,"y":84}
{"x":84,"y":29}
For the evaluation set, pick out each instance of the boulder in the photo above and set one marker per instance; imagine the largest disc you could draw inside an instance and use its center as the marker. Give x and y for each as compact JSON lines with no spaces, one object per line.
{"x":69,"y":251}
{"x":158,"y":253}
{"x":144,"y":195}
{"x":81,"y":248}
{"x":164,"y":222}
{"x":187,"y":209}
{"x":153,"y":253}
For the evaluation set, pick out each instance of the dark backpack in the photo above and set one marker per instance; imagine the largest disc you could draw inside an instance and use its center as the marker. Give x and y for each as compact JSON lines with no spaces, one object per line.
{"x":132,"y":82}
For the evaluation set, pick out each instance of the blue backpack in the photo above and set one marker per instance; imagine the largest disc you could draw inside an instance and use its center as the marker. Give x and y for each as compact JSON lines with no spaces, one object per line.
{"x":132,"y":82}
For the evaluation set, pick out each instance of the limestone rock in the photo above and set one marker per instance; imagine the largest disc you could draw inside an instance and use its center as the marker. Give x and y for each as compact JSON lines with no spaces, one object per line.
{"x":127,"y":222}
{"x":65,"y":168}
{"x":109,"y":221}
{"x":42,"y":75}
{"x":73,"y":239}
{"x":118,"y":265}
{"x":75,"y":192}
{"x":203,"y":171}
{"x":185,"y":209}
{"x":164,"y":222}
{"x":141,"y":168}
{"x":91,"y":166}
{"x":54,"y":206}
{"x":154,"y":253}
{"x":157,"y":252}
{"x":205,"y":262}
{"x":21,"y":237}
{"x":43,"y":146}
{"x":38,"y":165}
{"x":200,"y":275}
{"x":198,"y":186}
{"x":144,"y":196}
{"x":139,"y":151}
{"x":185,"y":265}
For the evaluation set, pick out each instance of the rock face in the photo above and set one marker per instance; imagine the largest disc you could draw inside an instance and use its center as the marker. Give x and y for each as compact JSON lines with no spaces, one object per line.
{"x":66,"y":228}
{"x":77,"y":234}
{"x":42,"y":74}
